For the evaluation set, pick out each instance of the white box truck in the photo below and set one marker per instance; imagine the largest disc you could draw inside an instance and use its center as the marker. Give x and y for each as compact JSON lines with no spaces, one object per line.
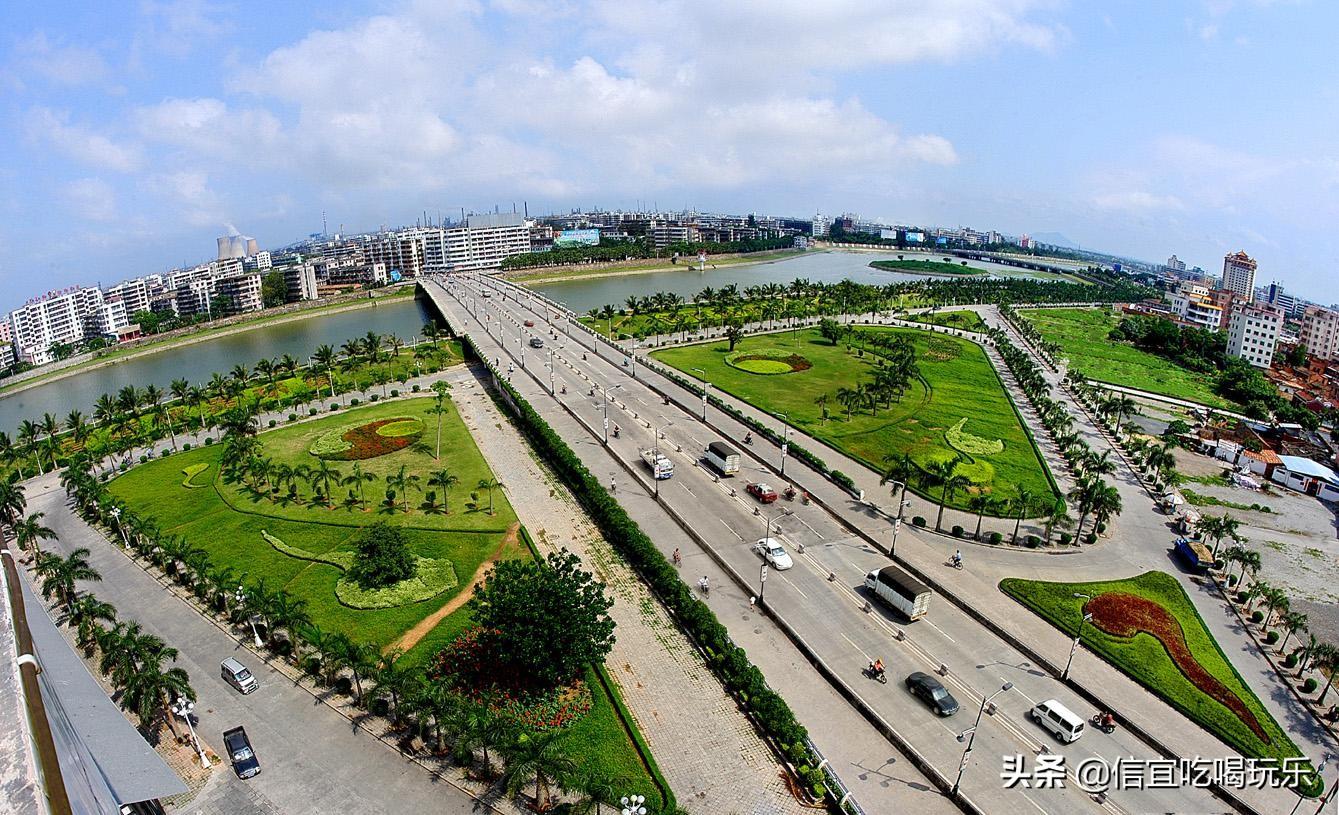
{"x":661,"y":467}
{"x":722,"y":457}
{"x":900,"y":591}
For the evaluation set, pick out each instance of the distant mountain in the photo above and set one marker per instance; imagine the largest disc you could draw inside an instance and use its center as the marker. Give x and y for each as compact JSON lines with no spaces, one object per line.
{"x":1055,"y":239}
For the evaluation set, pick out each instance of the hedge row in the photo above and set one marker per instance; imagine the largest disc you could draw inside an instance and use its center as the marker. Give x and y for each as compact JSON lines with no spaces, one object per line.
{"x":727,"y":660}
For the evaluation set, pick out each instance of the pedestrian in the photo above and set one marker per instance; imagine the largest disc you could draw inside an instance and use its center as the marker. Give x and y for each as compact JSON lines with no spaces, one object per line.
{"x":678,"y":559}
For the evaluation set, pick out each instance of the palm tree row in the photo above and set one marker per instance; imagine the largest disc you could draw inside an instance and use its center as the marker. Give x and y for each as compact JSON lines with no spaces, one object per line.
{"x":477,"y":737}
{"x":136,"y":417}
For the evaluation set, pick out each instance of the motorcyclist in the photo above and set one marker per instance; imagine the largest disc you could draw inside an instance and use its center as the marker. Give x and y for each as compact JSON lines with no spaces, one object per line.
{"x":957,"y":558}
{"x":748,"y":438}
{"x":704,"y":585}
{"x":564,"y":389}
{"x":616,"y":431}
{"x":877,"y":667}
{"x":1107,"y":720}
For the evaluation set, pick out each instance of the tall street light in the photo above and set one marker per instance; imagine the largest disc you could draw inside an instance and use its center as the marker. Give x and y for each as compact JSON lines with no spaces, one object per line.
{"x":1077,"y":637}
{"x":607,"y":389}
{"x":183,"y":708}
{"x":1300,"y":797}
{"x":902,"y":504}
{"x":970,"y":735}
{"x":632,"y":805}
{"x":240,"y":597}
{"x":705,"y":386}
{"x":552,"y":392}
{"x":762,"y":582}
{"x":785,"y":440}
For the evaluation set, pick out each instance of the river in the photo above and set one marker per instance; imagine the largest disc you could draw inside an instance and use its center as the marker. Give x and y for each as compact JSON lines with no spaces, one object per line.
{"x":404,"y":318}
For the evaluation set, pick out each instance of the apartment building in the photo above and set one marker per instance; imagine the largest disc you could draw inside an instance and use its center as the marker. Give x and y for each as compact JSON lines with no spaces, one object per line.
{"x":63,"y":317}
{"x":1239,"y":274}
{"x":403,"y":251}
{"x":1193,"y":304}
{"x":1253,"y":333}
{"x":241,"y":291}
{"x":299,"y":282}
{"x":1320,"y":332}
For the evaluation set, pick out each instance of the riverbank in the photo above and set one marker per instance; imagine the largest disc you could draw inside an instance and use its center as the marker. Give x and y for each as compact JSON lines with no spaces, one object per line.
{"x":197,"y":335}
{"x":558,"y":274}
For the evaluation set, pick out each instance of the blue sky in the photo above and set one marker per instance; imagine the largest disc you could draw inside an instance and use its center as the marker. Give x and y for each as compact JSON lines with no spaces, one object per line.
{"x":135,"y":136}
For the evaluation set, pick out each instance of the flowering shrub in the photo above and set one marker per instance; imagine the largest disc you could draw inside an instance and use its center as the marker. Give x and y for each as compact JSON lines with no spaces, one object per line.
{"x":467,"y":668}
{"x":1125,"y":615}
{"x":365,"y":441}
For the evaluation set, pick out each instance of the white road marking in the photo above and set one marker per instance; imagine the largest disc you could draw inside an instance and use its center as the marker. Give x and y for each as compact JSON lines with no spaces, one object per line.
{"x":940,"y":630}
{"x":797,"y":589}
{"x":857,"y":647}
{"x":731,"y":528}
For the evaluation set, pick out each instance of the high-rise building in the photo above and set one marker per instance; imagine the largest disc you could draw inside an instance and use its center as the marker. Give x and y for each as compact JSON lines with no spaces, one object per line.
{"x":242,"y":291}
{"x":299,"y":282}
{"x":1278,"y":298}
{"x":62,"y":318}
{"x":1176,"y":264}
{"x":1253,"y":333}
{"x":1320,"y":332}
{"x":1239,"y":274}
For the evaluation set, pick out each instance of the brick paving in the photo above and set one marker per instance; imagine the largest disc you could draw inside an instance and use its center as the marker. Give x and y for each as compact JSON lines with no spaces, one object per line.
{"x":707,"y":749}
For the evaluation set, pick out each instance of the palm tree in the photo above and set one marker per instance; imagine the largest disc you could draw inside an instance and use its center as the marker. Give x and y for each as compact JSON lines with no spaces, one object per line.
{"x":1326,"y":658}
{"x":85,"y":616}
{"x":1058,"y":519}
{"x":1120,"y":407}
{"x":361,"y":659}
{"x":324,"y":357}
{"x":51,"y":426}
{"x":489,"y":484}
{"x":431,"y":333}
{"x":444,"y":480}
{"x":440,"y":388}
{"x":978,"y":504}
{"x":482,"y":728}
{"x":358,"y":478}
{"x":391,"y":682}
{"x":1292,"y":622}
{"x":290,"y":614}
{"x":596,"y":791}
{"x":537,"y":757}
{"x":150,"y":690}
{"x":29,"y":533}
{"x":60,"y":574}
{"x":28,"y":434}
{"x":1021,"y":504}
{"x":941,"y":473}
{"x":1276,"y":599}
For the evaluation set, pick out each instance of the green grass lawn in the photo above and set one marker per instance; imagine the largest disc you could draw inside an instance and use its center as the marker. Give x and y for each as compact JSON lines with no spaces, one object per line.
{"x":1082,"y":336}
{"x":1144,"y":658}
{"x":957,"y":267}
{"x":959,"y":383}
{"x":963,"y":319}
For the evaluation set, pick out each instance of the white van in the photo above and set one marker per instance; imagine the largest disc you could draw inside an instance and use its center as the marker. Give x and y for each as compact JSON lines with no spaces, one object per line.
{"x":1063,"y":723}
{"x":238,"y":675}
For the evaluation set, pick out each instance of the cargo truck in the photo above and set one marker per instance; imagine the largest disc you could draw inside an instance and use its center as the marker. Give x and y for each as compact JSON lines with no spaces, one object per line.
{"x":900,"y":591}
{"x":661,"y":467}
{"x":723,"y":458}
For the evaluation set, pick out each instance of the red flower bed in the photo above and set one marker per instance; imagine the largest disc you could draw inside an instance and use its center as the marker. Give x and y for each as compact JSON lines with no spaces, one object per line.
{"x":467,"y":668}
{"x":1124,"y":615}
{"x":365,"y":442}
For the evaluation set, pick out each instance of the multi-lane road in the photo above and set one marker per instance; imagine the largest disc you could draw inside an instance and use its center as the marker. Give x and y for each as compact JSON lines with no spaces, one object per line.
{"x":820,"y":599}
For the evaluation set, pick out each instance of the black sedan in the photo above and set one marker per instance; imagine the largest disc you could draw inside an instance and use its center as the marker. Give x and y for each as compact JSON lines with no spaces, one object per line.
{"x":929,"y":690}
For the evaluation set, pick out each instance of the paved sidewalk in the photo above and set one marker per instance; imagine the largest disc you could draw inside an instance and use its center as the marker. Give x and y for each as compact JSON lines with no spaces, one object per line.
{"x":708,"y":750}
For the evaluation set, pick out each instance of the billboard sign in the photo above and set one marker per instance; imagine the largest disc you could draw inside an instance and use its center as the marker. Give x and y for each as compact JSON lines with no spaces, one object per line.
{"x":396,"y":277}
{"x":888,"y":234}
{"x":578,"y":237}
{"x":915,"y":237}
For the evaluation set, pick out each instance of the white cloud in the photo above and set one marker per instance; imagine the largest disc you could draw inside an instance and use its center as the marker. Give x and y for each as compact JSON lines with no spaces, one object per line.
{"x":79,"y":143}
{"x":62,"y":64}
{"x":190,"y":195}
{"x":177,"y":27}
{"x":91,"y":199}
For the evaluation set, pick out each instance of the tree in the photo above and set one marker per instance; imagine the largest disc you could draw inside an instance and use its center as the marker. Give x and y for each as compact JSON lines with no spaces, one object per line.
{"x":538,"y":757}
{"x":29,"y":532}
{"x":830,"y":330}
{"x":273,"y":289}
{"x":444,"y":480}
{"x":85,"y":616}
{"x":1059,"y":518}
{"x":489,"y":484}
{"x":382,"y":557}
{"x":1292,"y":622}
{"x":60,"y":574}
{"x":150,"y":690}
{"x":1021,"y":504}
{"x":544,"y":620}
{"x":733,"y":333}
{"x":440,"y":389}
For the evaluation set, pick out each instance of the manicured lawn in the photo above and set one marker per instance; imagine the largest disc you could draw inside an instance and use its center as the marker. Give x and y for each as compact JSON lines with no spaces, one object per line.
{"x":963,"y":319}
{"x":959,"y":383}
{"x":1082,"y":336}
{"x":941,"y":266}
{"x":1147,"y":660}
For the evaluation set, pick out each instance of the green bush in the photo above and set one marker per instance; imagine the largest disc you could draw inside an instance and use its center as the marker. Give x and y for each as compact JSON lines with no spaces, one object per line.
{"x":918,"y":521}
{"x":1066,"y":539}
{"x":312,"y":411}
{"x":1291,"y":660}
{"x":185,"y":446}
{"x":334,"y":406}
{"x":272,"y":423}
{"x":292,"y":417}
{"x":209,"y":440}
{"x":1241,"y":597}
{"x":355,"y":402}
{"x":395,"y":392}
{"x":995,"y":538}
{"x":957,"y":530}
{"x":1101,"y":528}
{"x":374,"y":397}
{"x":417,"y":388}
{"x":1272,"y":638}
{"x":1091,"y":537}
{"x":1257,"y":616}
{"x":1032,"y":541}
{"x":1310,"y":685}
{"x":842,"y":480}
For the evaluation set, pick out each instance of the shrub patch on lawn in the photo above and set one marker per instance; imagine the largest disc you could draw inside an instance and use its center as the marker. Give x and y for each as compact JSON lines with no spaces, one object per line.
{"x":467,"y":668}
{"x":941,"y":349}
{"x":360,"y":442}
{"x":1125,"y":615}
{"x":191,"y":471}
{"x":1147,"y":627}
{"x":768,"y":361}
{"x":432,"y":577}
{"x":962,"y":441}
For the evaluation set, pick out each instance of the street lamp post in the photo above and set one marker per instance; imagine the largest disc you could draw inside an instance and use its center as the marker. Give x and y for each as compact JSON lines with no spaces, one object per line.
{"x":240,"y":597}
{"x":1077,"y":638}
{"x":768,"y":519}
{"x":632,"y":805}
{"x":606,"y":412}
{"x":705,"y":386}
{"x":970,"y":734}
{"x":762,"y":582}
{"x":1300,"y":797}
{"x":116,"y":513}
{"x":552,"y":391}
{"x":785,"y":440}
{"x":183,"y":708}
{"x":902,"y":504}
{"x":1324,"y":802}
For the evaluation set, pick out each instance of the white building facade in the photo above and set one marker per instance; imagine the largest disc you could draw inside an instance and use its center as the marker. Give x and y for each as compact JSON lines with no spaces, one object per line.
{"x":1239,"y":274}
{"x":1253,"y":333}
{"x":1320,"y":332}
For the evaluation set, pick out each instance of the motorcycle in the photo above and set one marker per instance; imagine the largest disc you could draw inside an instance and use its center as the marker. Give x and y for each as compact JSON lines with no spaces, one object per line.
{"x":1100,"y":723}
{"x":616,"y":431}
{"x":955,"y":562}
{"x":748,"y":438}
{"x":876,"y":674}
{"x":789,"y":493}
